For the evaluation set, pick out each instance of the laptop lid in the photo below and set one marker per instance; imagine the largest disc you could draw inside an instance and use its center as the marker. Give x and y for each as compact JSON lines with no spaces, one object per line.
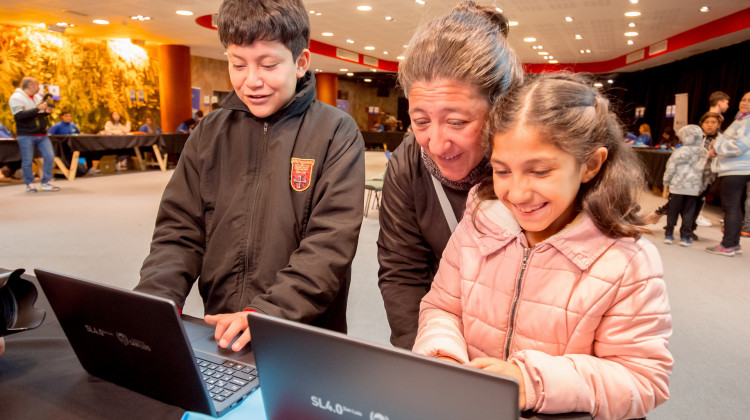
{"x":312,"y":373}
{"x":136,"y":340}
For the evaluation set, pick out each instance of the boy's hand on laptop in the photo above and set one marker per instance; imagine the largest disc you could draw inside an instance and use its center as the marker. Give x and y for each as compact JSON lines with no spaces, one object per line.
{"x":229,"y":326}
{"x":506,"y":368}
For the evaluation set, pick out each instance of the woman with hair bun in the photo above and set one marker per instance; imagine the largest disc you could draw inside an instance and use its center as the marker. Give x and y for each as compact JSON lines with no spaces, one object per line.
{"x":455,"y":69}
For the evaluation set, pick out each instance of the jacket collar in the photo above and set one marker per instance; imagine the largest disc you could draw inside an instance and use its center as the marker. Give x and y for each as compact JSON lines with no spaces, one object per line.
{"x":305,"y":94}
{"x":580,"y":241}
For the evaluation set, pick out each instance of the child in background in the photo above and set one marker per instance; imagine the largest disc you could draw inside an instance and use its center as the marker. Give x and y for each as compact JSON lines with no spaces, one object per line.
{"x":683,"y":183}
{"x":546,"y":278}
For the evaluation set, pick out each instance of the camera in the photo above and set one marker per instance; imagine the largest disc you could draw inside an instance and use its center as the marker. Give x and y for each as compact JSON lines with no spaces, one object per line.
{"x":17,"y":298}
{"x":47,"y":96}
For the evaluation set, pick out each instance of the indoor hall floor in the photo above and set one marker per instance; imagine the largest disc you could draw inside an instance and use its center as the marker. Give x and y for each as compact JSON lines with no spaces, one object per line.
{"x":99,"y":228}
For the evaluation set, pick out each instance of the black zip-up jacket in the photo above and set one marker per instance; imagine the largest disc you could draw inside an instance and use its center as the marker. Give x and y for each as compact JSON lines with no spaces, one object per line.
{"x":413,"y":235}
{"x":231,"y":215}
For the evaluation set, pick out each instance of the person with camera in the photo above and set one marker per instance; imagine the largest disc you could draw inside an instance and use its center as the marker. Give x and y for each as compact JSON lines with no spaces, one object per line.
{"x":30,"y":112}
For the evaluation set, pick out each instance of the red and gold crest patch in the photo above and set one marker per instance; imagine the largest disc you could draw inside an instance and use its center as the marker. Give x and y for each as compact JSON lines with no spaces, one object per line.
{"x":301,"y":173}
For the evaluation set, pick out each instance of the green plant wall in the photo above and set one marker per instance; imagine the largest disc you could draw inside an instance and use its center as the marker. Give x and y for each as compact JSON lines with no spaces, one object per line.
{"x":95,"y":76}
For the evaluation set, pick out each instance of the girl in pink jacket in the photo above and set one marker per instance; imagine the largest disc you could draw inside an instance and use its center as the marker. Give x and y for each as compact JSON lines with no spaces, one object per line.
{"x":546,"y":279}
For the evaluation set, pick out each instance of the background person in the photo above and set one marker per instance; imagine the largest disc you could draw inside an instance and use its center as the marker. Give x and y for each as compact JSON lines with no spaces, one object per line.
{"x":65,"y":127}
{"x":451,"y":87}
{"x":149,"y":127}
{"x":718,"y":103}
{"x":732,"y":164}
{"x":265,"y":205}
{"x":30,"y":113}
{"x":115,"y":125}
{"x":547,"y":278}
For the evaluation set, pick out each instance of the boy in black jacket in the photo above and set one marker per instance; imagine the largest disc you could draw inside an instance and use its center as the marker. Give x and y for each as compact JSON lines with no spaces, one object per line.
{"x":266,"y":202}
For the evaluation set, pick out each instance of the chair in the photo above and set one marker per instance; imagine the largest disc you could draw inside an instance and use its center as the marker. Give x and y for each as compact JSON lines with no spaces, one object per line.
{"x":374,"y":187}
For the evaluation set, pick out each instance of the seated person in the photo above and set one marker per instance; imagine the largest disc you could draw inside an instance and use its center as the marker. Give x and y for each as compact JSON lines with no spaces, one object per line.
{"x":644,"y":136}
{"x":5,"y":133}
{"x":115,"y":125}
{"x":149,"y":128}
{"x":267,"y":229}
{"x":65,"y":127}
{"x":668,"y":139}
{"x":186,"y":127}
{"x":378,"y":127}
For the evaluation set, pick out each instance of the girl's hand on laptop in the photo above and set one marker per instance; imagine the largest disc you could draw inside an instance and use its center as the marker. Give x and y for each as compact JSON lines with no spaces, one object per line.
{"x":505,"y":368}
{"x":229,"y":326}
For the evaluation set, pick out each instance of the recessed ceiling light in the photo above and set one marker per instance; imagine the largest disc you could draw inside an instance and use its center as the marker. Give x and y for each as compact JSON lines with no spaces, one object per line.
{"x":388,"y":18}
{"x":610,"y":81}
{"x":101,"y":22}
{"x":588,"y":51}
{"x":420,"y":2}
{"x":704,"y":9}
{"x":529,"y":39}
{"x":578,"y":36}
{"x":597,"y":84}
{"x":184,"y":12}
{"x":539,"y":47}
{"x":631,"y":33}
{"x":405,"y":46}
{"x":343,"y":69}
{"x":546,"y":57}
{"x":385,"y":52}
{"x":369,"y":48}
{"x":551,"y":57}
{"x":630,"y":42}
{"x":582,"y":51}
{"x":368,"y":80}
{"x":327,"y":34}
{"x":140,"y":17}
{"x":512,"y":23}
{"x":400,"y":57}
{"x":351,"y":41}
{"x":373,"y":70}
{"x":312,"y":12}
{"x":633,"y":1}
{"x":632,"y":14}
{"x":364,"y":8}
{"x":543,"y":53}
{"x":499,"y":10}
{"x":568,"y":19}
{"x":533,"y":47}
{"x":318,"y":14}
{"x":350,"y":74}
{"x":631,"y":25}
{"x":553,"y":61}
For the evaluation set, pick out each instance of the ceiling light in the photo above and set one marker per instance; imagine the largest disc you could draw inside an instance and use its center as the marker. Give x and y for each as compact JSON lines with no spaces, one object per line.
{"x":597,"y":84}
{"x":318,"y":14}
{"x":369,"y":48}
{"x":343,"y":69}
{"x":631,"y":25}
{"x":533,"y":47}
{"x":368,"y":80}
{"x":631,"y":33}
{"x":633,"y":1}
{"x":610,"y":81}
{"x":373,"y":70}
{"x":400,"y":57}
{"x":568,"y":19}
{"x":420,"y":1}
{"x":704,"y":9}
{"x":140,"y":17}
{"x":632,"y":14}
{"x":512,"y":23}
{"x":312,"y":12}
{"x":543,"y":53}
{"x":364,"y":8}
{"x":551,"y":57}
{"x":546,"y":57}
{"x":184,"y":12}
{"x":101,"y":22}
{"x":582,"y":51}
{"x":578,"y":36}
{"x":351,"y":41}
{"x":529,"y":39}
{"x":630,"y":42}
{"x":388,"y":18}
{"x":499,"y":10}
{"x":327,"y":34}
{"x":553,"y":61}
{"x":350,"y":74}
{"x":385,"y":52}
{"x":588,"y":51}
{"x":405,"y":46}
{"x":539,"y":47}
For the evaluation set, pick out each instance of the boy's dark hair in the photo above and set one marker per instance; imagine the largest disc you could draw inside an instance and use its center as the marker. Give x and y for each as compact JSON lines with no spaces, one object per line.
{"x":242,"y":22}
{"x":576,"y":118}
{"x":708,"y":115}
{"x":65,"y":111}
{"x":716,"y":97}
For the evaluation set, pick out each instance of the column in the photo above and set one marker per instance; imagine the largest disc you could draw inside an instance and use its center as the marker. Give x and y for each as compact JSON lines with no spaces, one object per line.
{"x":327,"y":87}
{"x":174,"y":86}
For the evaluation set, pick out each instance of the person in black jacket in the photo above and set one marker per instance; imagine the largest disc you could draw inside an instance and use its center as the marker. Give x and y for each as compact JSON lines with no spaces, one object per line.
{"x":450,"y":86}
{"x":30,"y":112}
{"x":265,"y":204}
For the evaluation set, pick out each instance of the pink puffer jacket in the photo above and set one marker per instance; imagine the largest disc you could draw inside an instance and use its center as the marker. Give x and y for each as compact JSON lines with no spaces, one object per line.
{"x":590,"y":326}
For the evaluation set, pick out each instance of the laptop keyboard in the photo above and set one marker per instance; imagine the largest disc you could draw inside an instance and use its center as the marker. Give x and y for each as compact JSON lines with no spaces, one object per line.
{"x":225,"y":379}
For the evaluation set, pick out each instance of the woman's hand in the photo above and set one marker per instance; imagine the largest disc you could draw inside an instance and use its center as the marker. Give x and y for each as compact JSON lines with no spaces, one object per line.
{"x":229,"y":326}
{"x":665,"y":192}
{"x":506,"y":368}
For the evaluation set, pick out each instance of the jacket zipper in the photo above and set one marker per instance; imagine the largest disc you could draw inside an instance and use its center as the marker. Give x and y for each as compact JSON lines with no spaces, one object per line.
{"x":254,"y":208}
{"x":516,"y":296}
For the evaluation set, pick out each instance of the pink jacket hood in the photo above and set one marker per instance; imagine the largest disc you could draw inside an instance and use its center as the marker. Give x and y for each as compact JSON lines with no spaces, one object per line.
{"x":585,"y":316}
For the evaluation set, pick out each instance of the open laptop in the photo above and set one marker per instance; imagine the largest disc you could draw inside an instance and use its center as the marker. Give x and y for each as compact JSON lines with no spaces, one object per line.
{"x":311,"y":373}
{"x":139,"y":341}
